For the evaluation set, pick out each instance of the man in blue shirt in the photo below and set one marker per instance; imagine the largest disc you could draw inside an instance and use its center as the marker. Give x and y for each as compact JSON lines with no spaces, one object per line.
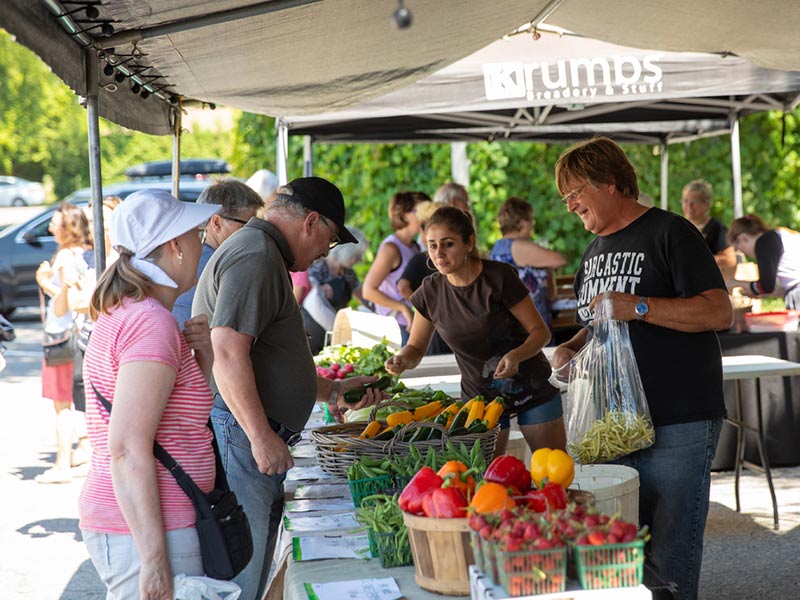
{"x":239,"y":204}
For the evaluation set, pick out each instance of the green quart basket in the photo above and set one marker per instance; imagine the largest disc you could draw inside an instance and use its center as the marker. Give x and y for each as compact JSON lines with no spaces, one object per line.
{"x":361,"y":488}
{"x":531,"y":572}
{"x":394,"y":549}
{"x":610,"y":566}
{"x":476,"y":542}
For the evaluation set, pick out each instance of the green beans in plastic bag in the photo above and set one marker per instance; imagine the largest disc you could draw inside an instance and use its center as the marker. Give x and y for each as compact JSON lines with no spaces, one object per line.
{"x":606,"y":413}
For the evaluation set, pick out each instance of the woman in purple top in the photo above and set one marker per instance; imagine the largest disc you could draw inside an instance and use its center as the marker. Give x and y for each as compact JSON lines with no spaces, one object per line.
{"x":380,"y":284}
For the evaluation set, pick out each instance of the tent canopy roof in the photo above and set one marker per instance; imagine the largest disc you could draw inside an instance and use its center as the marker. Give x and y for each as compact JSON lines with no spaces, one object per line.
{"x":311,"y":56}
{"x":559,"y":88}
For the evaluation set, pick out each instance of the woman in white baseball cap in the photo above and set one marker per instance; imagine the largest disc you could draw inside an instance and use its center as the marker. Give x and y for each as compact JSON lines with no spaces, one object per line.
{"x":138,"y":525}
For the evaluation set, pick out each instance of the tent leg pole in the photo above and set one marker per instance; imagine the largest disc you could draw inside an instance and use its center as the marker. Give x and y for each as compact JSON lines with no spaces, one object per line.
{"x":459,"y":164}
{"x":664,"y":175}
{"x":95,"y":175}
{"x":736,"y":168}
{"x":177,"y":115}
{"x":308,"y":156}
{"x":282,"y":151}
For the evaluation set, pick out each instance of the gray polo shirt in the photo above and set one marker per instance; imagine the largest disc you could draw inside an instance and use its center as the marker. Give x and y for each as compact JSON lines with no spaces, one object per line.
{"x":246,"y":286}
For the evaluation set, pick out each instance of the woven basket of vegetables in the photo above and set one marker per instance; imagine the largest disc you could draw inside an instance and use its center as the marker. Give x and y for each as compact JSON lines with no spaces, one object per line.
{"x":430,"y":425}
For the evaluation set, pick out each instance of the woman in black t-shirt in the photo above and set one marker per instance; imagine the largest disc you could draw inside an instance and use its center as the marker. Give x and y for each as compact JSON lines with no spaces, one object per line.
{"x":696,"y":205}
{"x":483,"y":311}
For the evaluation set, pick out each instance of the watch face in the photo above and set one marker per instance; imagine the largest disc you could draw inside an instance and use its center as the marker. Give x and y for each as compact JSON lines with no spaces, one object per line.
{"x":640,"y":308}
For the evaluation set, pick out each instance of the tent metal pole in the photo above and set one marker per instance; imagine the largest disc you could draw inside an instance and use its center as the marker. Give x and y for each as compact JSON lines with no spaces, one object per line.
{"x":459,"y":164}
{"x":308,"y":156}
{"x":95,"y":176}
{"x":664,"y":174}
{"x":177,"y":113}
{"x":736,"y":168}
{"x":282,"y":151}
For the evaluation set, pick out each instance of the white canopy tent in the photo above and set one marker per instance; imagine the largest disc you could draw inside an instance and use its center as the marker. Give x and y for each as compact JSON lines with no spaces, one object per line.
{"x":560,"y":88}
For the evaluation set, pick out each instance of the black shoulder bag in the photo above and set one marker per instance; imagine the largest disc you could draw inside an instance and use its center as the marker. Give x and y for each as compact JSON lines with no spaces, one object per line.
{"x":226,"y":543}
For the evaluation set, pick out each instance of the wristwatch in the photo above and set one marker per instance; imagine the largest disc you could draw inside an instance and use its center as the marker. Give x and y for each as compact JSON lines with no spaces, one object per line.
{"x":336,"y":387}
{"x":642,"y":308}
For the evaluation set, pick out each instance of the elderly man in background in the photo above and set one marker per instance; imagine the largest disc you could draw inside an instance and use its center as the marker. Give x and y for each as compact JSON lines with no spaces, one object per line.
{"x":696,"y":204}
{"x":239,"y":204}
{"x":264,"y":376}
{"x":453,"y":194}
{"x":660,"y":277}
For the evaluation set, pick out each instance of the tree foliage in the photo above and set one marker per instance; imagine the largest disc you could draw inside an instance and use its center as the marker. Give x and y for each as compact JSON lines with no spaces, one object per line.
{"x":43,"y":136}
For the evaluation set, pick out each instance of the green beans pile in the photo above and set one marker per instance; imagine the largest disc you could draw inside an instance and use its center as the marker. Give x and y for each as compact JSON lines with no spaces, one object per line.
{"x":382,"y":515}
{"x":616,"y":434}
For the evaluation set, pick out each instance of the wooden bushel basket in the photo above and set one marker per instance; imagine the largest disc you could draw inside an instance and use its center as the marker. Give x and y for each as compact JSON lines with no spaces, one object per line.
{"x":442,"y":554}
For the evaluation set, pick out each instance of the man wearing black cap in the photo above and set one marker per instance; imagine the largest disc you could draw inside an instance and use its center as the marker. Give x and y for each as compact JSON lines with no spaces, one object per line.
{"x":264,"y":376}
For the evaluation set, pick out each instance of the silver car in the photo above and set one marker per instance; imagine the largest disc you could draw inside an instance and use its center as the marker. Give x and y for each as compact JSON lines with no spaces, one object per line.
{"x":15,"y":191}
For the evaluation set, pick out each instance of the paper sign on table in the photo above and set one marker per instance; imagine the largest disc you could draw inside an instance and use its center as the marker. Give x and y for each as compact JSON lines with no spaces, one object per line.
{"x":303,"y":451}
{"x":320,"y":522}
{"x":355,"y":589}
{"x":329,"y":504}
{"x":322,"y":547}
{"x":322,"y":490}
{"x":311,"y":473}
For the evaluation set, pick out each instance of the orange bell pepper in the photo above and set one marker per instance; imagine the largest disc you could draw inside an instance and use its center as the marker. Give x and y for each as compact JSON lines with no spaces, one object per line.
{"x":459,"y":475}
{"x":491,"y":497}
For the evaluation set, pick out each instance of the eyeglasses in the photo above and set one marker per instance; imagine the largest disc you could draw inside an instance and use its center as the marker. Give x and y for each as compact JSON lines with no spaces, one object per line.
{"x":335,"y":239}
{"x":234,"y":219}
{"x":573,"y":194}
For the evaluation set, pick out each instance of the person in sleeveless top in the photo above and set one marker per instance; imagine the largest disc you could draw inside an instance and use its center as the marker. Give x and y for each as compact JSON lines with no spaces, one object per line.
{"x":380,"y":284}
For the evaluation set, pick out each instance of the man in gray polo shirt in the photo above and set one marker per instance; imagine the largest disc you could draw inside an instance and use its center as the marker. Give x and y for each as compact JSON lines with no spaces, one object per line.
{"x":264,"y":376}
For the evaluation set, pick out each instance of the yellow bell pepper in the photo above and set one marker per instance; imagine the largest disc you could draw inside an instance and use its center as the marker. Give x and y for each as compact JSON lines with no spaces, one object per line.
{"x":554,"y":465}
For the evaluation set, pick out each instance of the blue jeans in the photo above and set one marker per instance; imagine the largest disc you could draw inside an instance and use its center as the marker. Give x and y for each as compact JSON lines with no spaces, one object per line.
{"x":675,"y":481}
{"x":260,"y":495}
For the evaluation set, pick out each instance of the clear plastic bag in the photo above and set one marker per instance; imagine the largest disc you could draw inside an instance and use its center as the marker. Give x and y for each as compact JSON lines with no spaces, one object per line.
{"x":204,"y":588}
{"x":606,"y":414}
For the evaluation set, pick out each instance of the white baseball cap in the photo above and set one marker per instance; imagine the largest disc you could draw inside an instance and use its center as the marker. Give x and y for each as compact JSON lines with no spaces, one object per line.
{"x":149,"y":218}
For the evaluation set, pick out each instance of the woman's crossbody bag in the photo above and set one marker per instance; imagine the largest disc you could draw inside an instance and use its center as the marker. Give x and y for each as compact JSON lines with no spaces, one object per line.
{"x":226,"y":543}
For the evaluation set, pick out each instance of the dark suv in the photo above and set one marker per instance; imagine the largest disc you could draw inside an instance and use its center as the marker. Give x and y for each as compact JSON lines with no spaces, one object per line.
{"x":23,"y":247}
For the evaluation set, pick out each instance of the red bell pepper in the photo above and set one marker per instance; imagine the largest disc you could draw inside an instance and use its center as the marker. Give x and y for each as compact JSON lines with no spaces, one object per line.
{"x":508,"y":470}
{"x":536,"y":500}
{"x":556,"y":495}
{"x":421,"y":484}
{"x":445,"y":503}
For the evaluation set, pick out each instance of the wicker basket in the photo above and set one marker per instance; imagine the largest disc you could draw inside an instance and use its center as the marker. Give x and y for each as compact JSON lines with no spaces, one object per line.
{"x":338,"y":446}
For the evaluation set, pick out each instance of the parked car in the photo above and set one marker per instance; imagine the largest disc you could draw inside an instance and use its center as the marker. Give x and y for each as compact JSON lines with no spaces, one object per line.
{"x":23,"y":247}
{"x":15,"y":191}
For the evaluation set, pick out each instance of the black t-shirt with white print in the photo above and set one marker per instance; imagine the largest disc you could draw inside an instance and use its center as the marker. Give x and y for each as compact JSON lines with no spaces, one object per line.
{"x":661,"y":255}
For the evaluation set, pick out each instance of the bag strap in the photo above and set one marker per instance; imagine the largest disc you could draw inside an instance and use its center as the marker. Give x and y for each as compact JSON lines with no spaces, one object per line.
{"x":186,"y":483}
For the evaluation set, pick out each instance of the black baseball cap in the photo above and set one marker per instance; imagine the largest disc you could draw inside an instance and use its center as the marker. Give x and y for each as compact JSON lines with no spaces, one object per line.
{"x":320,"y":195}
